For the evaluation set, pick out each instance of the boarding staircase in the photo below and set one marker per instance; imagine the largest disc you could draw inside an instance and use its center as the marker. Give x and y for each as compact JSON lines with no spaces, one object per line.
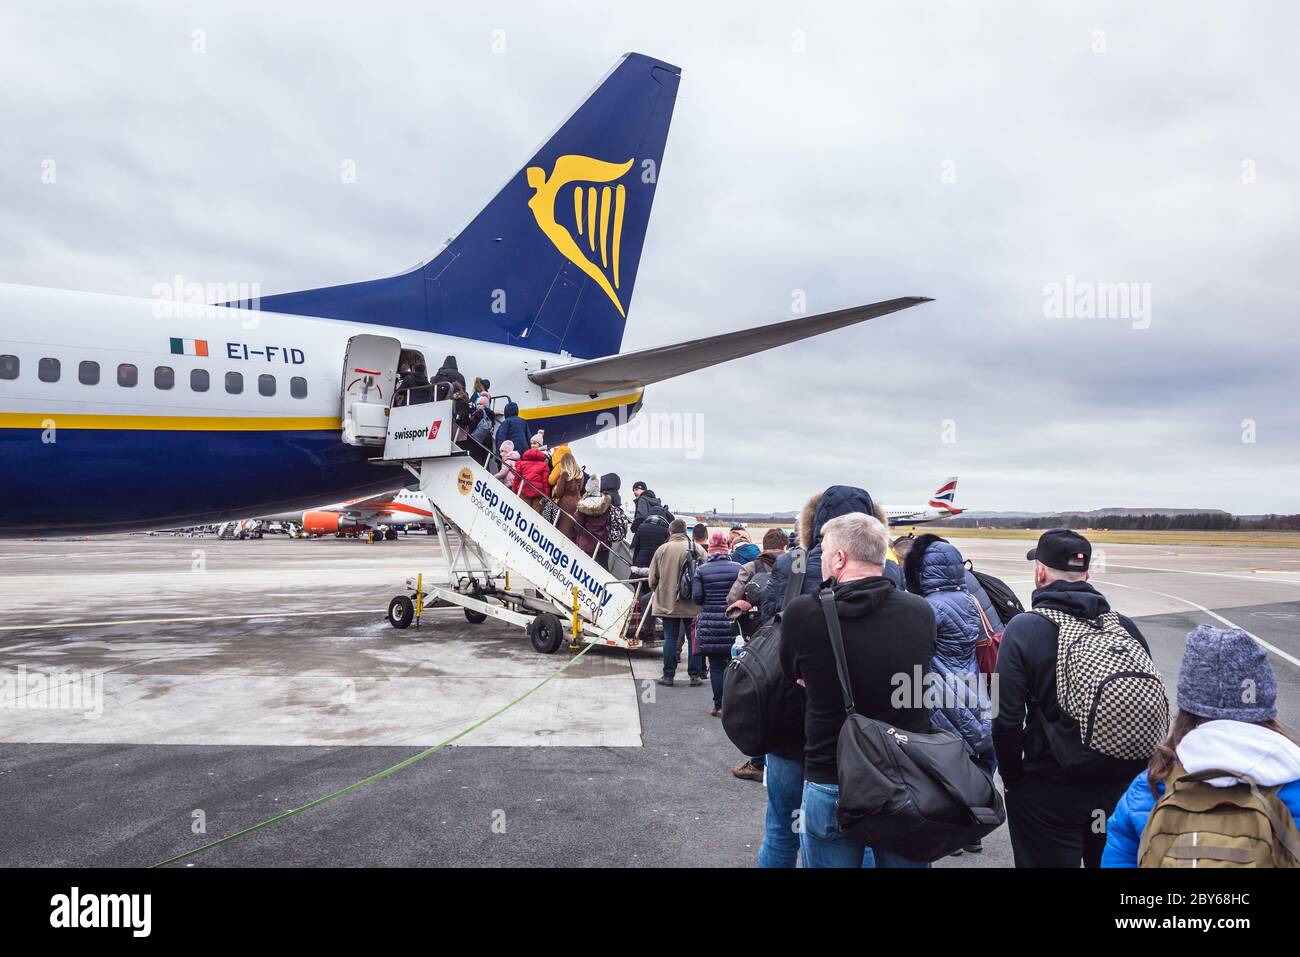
{"x":499,"y":536}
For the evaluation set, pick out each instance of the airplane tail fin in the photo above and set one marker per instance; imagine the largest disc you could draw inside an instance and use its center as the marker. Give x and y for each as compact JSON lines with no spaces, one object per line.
{"x":945,"y":496}
{"x":551,"y":261}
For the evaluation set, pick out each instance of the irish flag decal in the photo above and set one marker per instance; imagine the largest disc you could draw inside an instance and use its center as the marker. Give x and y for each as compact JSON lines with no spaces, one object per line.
{"x":189,"y":347}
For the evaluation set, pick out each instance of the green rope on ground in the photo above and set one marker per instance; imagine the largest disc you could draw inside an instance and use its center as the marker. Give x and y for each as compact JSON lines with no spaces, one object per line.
{"x":382,"y":774}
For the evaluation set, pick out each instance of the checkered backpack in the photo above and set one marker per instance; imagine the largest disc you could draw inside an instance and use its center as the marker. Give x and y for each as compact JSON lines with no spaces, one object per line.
{"x":1107,"y":683}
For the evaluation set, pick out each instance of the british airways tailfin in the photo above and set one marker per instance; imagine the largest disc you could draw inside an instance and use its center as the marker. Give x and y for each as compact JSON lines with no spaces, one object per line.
{"x":945,"y":496}
{"x":550,"y":262}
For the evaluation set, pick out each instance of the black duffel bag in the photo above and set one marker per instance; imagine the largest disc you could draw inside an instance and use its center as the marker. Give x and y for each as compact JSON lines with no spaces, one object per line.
{"x":921,"y":796}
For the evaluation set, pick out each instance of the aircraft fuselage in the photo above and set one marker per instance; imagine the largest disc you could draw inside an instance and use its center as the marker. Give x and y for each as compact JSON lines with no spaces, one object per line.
{"x":110,"y":408}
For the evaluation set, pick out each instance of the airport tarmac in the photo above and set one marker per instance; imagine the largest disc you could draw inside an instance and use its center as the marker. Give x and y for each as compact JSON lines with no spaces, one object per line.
{"x":224,"y":682}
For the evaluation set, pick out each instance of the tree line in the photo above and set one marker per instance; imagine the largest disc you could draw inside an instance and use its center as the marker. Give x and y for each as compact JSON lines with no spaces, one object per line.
{"x":1192,"y":521}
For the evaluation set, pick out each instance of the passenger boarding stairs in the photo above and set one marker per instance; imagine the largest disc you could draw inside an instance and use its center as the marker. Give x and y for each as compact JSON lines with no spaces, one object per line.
{"x":501,"y":536}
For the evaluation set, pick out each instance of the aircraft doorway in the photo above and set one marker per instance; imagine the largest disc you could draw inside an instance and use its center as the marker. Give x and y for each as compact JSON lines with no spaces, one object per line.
{"x":412,"y":379}
{"x":369,"y":380}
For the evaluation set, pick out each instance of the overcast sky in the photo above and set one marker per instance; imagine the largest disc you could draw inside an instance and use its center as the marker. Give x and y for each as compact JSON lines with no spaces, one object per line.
{"x":975,"y":153}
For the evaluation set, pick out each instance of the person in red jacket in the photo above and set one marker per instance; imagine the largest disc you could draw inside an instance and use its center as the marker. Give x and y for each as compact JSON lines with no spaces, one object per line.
{"x":534,"y":473}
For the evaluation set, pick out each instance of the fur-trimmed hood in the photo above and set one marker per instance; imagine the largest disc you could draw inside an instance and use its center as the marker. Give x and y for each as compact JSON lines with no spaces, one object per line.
{"x":915,"y":561}
{"x":835,"y":501}
{"x":594,"y":505}
{"x":806,"y":515}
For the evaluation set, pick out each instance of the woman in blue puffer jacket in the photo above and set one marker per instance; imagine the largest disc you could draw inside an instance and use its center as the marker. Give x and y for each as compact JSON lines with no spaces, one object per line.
{"x":714,"y":631}
{"x":934,"y":570}
{"x":1215,"y":729}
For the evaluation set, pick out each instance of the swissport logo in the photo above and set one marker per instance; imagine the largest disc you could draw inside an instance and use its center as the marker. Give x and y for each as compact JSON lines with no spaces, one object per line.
{"x":413,"y":433}
{"x":433,"y":429}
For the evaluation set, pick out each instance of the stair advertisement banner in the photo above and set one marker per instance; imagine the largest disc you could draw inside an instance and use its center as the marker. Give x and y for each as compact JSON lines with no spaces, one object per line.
{"x":509,"y":530}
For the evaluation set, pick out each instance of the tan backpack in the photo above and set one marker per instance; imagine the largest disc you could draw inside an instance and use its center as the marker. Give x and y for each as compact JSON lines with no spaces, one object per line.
{"x":1195,"y":824}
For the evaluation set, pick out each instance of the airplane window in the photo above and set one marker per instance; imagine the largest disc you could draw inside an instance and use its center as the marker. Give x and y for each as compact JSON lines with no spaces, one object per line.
{"x":298,"y":387}
{"x":266,"y":384}
{"x":164,"y":377}
{"x":88,"y":373}
{"x":234,"y":383}
{"x":199,"y":380}
{"x":8,"y":367}
{"x":47,"y":370}
{"x":127,"y":375}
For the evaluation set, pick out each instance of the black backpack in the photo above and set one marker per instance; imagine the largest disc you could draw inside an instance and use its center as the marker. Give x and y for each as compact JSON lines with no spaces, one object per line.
{"x":686,"y":577}
{"x":1000,"y":593}
{"x":921,"y":796}
{"x":764,"y":709}
{"x":755,"y":586}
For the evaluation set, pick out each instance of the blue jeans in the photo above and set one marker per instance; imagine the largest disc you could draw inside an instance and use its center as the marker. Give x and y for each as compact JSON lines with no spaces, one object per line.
{"x":824,"y":844}
{"x":784,"y":781}
{"x":717,"y":674}
{"x":675,"y":630}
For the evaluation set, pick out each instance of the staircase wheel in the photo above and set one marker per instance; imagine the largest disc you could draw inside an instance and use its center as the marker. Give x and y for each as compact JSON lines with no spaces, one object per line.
{"x":546,"y":633}
{"x":401,"y":612}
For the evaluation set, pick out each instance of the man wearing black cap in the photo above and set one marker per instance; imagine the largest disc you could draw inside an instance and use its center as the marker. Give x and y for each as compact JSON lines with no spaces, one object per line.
{"x":647,"y":504}
{"x":1056,"y":817}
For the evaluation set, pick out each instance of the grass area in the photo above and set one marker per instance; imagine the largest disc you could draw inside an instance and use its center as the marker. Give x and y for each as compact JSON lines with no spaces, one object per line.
{"x":1229,"y":539}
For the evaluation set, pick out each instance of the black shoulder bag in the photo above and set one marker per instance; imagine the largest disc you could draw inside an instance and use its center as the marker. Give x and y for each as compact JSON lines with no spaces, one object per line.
{"x":921,"y":796}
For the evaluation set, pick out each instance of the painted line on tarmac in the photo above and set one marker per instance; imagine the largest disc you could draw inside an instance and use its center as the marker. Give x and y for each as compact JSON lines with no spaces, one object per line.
{"x":1177,"y":571}
{"x":1199,"y":607}
{"x":1213,"y":614}
{"x":49,"y":626}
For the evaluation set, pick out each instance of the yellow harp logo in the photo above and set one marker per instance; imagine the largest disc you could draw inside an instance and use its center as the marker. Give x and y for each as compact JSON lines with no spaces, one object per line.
{"x":593,"y":210}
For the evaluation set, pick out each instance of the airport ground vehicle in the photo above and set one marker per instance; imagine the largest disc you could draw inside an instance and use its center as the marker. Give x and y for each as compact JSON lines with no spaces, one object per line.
{"x":243,"y":529}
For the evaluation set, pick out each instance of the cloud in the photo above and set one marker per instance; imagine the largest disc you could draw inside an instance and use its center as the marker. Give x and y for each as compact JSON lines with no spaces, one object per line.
{"x":975,"y":154}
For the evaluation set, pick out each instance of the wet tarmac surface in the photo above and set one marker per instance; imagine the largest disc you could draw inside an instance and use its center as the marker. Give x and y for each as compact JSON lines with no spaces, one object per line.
{"x":228,"y":681}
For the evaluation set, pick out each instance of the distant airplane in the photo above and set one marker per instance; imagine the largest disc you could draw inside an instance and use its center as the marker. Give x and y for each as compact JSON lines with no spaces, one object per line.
{"x":941,"y":506}
{"x":173,"y":414}
{"x":404,"y":507}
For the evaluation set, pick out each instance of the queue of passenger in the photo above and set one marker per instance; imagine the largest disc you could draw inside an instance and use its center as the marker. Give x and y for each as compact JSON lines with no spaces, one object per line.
{"x":812,"y":645}
{"x":914,"y":606}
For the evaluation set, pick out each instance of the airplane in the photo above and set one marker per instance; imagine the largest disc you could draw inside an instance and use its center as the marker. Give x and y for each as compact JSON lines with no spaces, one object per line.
{"x":941,"y":506}
{"x":407,"y":506}
{"x":176,"y":413}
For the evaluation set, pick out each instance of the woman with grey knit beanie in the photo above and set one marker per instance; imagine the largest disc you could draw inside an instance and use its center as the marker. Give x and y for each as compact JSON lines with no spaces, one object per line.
{"x":1226,"y":722}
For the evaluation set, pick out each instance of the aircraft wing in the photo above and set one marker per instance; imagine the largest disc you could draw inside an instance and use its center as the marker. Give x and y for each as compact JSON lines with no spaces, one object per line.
{"x":631,"y":370}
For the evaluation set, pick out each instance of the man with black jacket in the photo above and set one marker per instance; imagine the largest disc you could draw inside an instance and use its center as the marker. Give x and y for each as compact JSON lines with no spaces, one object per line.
{"x":888,"y":635}
{"x":650,"y":534}
{"x":647,"y":504}
{"x":1056,"y":818}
